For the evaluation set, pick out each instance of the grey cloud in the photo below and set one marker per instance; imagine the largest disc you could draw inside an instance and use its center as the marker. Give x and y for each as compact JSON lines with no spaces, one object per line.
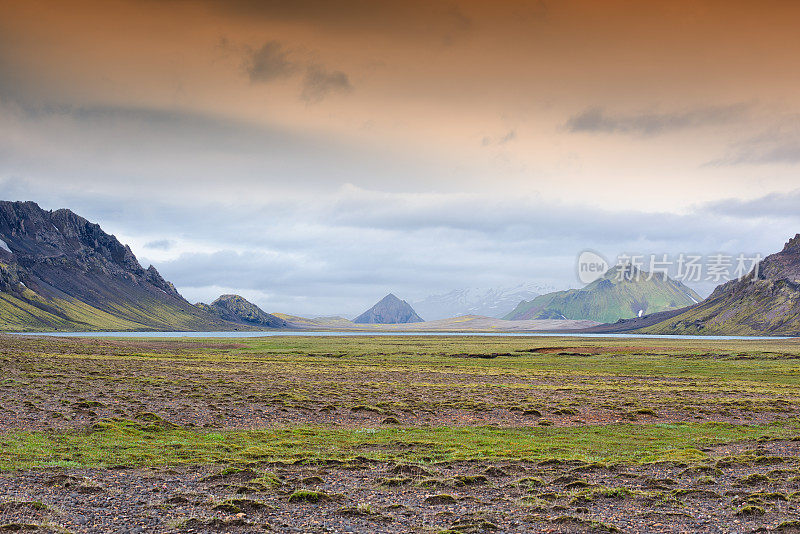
{"x":269,"y":63}
{"x":168,"y":149}
{"x":336,"y":253}
{"x":502,"y":140}
{"x":774,"y":205}
{"x":510,"y":136}
{"x":355,"y":250}
{"x":160,"y":244}
{"x":779,"y":144}
{"x":319,"y":83}
{"x":785,"y":153}
{"x":597,"y":120}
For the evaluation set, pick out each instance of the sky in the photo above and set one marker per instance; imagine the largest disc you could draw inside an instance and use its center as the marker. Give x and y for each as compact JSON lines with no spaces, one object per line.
{"x":315,"y":155}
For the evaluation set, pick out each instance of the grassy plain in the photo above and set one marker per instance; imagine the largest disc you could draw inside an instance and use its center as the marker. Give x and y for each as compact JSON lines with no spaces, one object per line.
{"x":400,"y":433}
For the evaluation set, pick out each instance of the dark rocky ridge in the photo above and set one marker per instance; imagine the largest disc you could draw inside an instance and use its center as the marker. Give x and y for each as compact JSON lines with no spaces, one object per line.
{"x":60,"y":271}
{"x":389,"y":310}
{"x":237,"y":309}
{"x":764,"y":302}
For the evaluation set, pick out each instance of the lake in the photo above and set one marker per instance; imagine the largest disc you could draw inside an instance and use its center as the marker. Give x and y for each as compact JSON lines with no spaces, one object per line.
{"x":355,"y":334}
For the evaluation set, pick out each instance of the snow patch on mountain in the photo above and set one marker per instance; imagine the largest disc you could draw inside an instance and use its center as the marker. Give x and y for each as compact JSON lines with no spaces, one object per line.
{"x":489,"y":302}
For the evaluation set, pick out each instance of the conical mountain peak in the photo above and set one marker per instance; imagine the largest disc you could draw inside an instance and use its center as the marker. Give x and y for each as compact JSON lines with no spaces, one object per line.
{"x":389,"y":310}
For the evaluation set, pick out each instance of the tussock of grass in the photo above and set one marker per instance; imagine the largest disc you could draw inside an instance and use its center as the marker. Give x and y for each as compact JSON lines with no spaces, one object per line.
{"x":768,"y":496}
{"x":581,"y":523}
{"x":530,"y":482}
{"x":391,"y":482}
{"x":750,"y":510}
{"x":308,"y":496}
{"x":755,"y":479}
{"x":790,"y":525}
{"x":17,"y":527}
{"x":360,"y":510}
{"x":442,"y":499}
{"x":600,"y":493}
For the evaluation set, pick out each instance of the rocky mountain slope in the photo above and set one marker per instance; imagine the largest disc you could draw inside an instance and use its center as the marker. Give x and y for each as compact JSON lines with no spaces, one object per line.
{"x":59,"y":271}
{"x":621,"y":293}
{"x":389,"y":310}
{"x":765,"y":302}
{"x":237,"y":309}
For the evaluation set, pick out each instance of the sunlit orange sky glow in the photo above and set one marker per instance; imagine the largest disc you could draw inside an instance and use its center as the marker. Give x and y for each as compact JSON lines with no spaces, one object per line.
{"x":443,"y":144}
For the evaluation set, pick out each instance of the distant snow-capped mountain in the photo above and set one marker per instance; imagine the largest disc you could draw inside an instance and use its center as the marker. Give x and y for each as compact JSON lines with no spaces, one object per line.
{"x":492,"y":302}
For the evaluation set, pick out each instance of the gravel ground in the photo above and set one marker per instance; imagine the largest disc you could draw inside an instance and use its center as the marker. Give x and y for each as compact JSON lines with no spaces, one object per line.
{"x":714,"y":496}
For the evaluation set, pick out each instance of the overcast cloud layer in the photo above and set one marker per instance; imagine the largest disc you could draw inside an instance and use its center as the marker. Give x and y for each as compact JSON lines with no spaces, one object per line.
{"x":313,"y":156}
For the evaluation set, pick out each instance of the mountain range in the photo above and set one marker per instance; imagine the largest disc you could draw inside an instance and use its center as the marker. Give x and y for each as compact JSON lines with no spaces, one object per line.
{"x":60,"y":272}
{"x":623,"y":292}
{"x":464,"y":323}
{"x":491,"y":302}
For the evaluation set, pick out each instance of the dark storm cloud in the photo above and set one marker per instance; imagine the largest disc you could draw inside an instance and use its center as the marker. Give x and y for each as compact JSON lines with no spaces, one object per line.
{"x":443,"y":20}
{"x":319,"y":82}
{"x":596,"y":120}
{"x":272,"y":62}
{"x":268,"y":63}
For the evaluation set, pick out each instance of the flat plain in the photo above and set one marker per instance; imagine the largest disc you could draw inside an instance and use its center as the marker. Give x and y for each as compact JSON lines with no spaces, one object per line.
{"x":399,"y":434}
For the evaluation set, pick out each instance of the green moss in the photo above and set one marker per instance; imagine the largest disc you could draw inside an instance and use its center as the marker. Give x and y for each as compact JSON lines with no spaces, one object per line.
{"x":579,"y":522}
{"x":391,"y":482}
{"x":228,"y":508}
{"x":362,"y":510}
{"x":768,"y":496}
{"x":611,"y":493}
{"x":534,"y":503}
{"x":265,"y":482}
{"x":308,"y":496}
{"x":125,"y":442}
{"x":471,"y":480}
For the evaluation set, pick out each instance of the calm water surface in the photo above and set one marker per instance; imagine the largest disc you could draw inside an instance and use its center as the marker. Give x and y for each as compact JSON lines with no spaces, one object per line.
{"x":357,"y":334}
